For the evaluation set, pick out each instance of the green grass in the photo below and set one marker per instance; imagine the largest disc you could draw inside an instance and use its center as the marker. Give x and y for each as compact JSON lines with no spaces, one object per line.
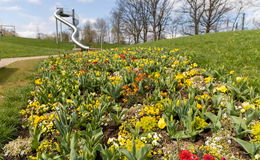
{"x":14,"y":91}
{"x":239,"y":51}
{"x":23,"y":47}
{"x":10,"y":121}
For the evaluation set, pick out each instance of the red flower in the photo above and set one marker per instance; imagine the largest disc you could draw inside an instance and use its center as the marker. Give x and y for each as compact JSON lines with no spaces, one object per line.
{"x":185,"y":155}
{"x":122,"y":56}
{"x":194,"y":157}
{"x":106,"y":61}
{"x":132,"y":59}
{"x":208,"y":157}
{"x":223,"y":158}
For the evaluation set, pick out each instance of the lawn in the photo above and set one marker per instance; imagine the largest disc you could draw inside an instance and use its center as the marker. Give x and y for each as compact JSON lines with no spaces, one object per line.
{"x":238,"y":51}
{"x":14,"y":90}
{"x":23,"y":47}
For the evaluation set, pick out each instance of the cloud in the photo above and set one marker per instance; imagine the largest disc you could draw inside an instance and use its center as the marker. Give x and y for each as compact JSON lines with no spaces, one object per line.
{"x":11,"y":8}
{"x":86,"y":1}
{"x":82,"y":21}
{"x":34,"y":1}
{"x":30,"y":30}
{"x":6,"y":0}
{"x":28,"y":34}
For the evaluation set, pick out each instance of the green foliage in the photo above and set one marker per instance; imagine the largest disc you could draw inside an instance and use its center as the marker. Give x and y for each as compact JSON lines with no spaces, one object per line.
{"x":65,"y":127}
{"x":251,"y":148}
{"x":109,"y":154}
{"x":215,"y":119}
{"x":91,"y":139}
{"x":118,"y":115}
{"x":136,"y":154}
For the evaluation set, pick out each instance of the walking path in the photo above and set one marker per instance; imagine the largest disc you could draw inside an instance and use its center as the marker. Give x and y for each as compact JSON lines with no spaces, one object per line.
{"x":7,"y":61}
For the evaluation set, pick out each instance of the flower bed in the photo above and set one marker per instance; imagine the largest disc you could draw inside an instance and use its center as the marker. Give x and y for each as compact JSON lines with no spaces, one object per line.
{"x":142,"y":103}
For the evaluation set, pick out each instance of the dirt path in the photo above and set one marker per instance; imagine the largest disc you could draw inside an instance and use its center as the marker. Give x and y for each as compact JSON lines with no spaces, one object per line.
{"x":7,"y":61}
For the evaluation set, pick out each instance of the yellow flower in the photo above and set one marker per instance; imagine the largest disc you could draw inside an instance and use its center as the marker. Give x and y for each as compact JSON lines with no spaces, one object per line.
{"x":180,"y":76}
{"x":240,"y":79}
{"x":188,"y":82}
{"x":163,"y":93}
{"x":232,"y":72}
{"x":199,"y":106}
{"x":156,"y":75}
{"x":98,"y":74}
{"x":69,"y":101}
{"x":32,"y":158}
{"x":222,"y":89}
{"x":199,"y":123}
{"x":147,"y":123}
{"x":205,"y":96}
{"x":248,"y":106}
{"x":257,"y":102}
{"x":38,"y":82}
{"x":50,"y":95}
{"x":174,"y":50}
{"x":195,"y":65}
{"x":161,"y":123}
{"x":256,"y":131}
{"x":23,"y":112}
{"x":208,"y":79}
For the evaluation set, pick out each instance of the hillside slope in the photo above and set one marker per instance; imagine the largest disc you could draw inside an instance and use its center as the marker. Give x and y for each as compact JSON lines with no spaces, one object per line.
{"x":23,"y":47}
{"x":238,"y":51}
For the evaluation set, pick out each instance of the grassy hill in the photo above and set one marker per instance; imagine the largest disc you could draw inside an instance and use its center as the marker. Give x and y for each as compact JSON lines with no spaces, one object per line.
{"x":238,"y":51}
{"x":21,"y":47}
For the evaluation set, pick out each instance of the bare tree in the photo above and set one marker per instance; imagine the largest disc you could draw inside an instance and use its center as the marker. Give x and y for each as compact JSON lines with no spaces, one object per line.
{"x":117,"y":22}
{"x":89,"y":34}
{"x":160,"y":12}
{"x":101,"y":29}
{"x":132,"y":23}
{"x":145,"y":17}
{"x":213,"y":12}
{"x":195,"y":10}
{"x":239,"y":7}
{"x":175,"y":26}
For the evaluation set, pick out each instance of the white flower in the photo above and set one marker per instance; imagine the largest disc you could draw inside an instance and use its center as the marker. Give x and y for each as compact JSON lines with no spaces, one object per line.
{"x":217,"y":138}
{"x":155,"y":143}
{"x":149,"y":135}
{"x":110,"y":140}
{"x":155,"y":136}
{"x":257,"y":156}
{"x":143,"y":138}
{"x":116,"y":145}
{"x":219,"y":146}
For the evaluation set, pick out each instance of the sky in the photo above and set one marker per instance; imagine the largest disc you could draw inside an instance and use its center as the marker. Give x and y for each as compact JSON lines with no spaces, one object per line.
{"x":28,"y":16}
{"x":32,"y":16}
